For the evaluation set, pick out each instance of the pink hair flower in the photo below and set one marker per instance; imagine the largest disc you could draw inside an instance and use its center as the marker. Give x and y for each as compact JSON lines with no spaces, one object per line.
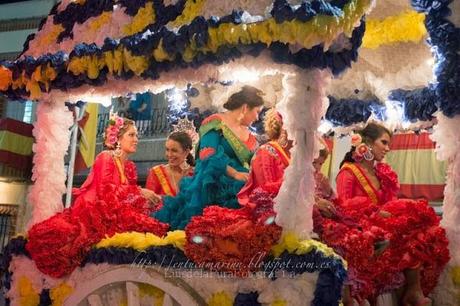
{"x":119,"y":121}
{"x":356,"y":140}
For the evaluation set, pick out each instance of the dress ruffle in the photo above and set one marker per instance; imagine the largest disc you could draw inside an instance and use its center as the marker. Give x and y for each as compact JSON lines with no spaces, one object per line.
{"x":233,"y":240}
{"x":59,"y":244}
{"x":210,"y":185}
{"x":415,"y":240}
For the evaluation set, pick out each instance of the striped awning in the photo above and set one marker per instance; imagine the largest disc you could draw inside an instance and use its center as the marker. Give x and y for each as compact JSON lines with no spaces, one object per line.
{"x":420,"y":174}
{"x":16,"y":142}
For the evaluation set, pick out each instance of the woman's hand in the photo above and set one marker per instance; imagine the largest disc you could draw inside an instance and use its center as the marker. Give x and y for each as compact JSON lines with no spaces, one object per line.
{"x":323,"y":184}
{"x":241,"y":176}
{"x":326,"y":207}
{"x":150,"y":196}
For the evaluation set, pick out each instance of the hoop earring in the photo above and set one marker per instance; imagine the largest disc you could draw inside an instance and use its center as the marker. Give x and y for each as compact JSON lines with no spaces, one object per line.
{"x":117,"y":151}
{"x":368,"y":155}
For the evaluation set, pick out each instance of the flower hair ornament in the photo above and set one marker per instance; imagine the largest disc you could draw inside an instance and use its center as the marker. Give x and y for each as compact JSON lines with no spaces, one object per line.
{"x":187,"y":126}
{"x":362,"y":150}
{"x":112,"y":131}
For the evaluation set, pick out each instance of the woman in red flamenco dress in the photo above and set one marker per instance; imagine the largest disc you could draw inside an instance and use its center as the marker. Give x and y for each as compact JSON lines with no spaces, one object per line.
{"x":108,"y":202}
{"x":417,"y":246}
{"x":165,"y":179}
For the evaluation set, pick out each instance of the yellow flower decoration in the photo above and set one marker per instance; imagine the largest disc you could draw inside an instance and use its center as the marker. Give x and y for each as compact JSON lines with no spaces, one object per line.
{"x":278,"y":303}
{"x":160,"y":54}
{"x":455,"y":274}
{"x":20,"y":81}
{"x":220,"y":299}
{"x":143,"y":241}
{"x":50,"y":38}
{"x":6,"y":78}
{"x":291,"y":243}
{"x":144,"y":17}
{"x":137,"y":64}
{"x":191,"y":10}
{"x":406,"y":27}
{"x":27,"y":295}
{"x":148,"y":290}
{"x":103,"y":19}
{"x":59,"y":293}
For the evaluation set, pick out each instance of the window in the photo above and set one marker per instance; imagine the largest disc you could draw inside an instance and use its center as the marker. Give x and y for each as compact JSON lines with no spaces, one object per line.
{"x":28,"y":111}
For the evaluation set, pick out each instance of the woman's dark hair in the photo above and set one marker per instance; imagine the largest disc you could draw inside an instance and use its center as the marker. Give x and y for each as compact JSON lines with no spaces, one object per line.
{"x":369,"y":134}
{"x":247,"y":95}
{"x":186,"y":143}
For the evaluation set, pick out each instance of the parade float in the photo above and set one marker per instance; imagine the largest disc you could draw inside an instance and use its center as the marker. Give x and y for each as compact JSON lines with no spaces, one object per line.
{"x":94,"y":50}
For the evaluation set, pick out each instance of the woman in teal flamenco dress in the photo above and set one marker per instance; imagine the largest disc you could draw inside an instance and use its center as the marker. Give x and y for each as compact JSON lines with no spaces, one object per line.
{"x":224,"y":152}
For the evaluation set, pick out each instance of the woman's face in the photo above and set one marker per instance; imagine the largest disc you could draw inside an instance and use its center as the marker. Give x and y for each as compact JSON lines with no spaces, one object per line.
{"x":318,"y":163}
{"x":381,"y":147}
{"x":128,"y":141}
{"x":250,"y":114}
{"x":175,"y":154}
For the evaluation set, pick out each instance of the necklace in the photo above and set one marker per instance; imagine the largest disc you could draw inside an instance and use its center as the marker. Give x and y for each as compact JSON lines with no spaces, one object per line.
{"x":182,"y":172}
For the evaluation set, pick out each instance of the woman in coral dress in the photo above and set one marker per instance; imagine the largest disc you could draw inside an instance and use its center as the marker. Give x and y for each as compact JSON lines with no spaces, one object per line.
{"x":108,"y":202}
{"x":225,"y":150}
{"x":164,"y":179}
{"x":417,"y":250}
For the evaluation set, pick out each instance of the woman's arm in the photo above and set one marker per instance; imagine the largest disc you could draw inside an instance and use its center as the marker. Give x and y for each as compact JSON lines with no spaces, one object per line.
{"x":345,"y":184}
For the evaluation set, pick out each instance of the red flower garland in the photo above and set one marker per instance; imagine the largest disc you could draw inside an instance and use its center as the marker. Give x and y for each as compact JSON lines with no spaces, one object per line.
{"x":233,"y":240}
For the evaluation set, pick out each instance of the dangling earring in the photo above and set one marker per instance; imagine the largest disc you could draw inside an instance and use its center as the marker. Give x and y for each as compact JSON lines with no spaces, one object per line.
{"x":368,"y":155}
{"x":117,"y":151}
{"x":283,"y":141}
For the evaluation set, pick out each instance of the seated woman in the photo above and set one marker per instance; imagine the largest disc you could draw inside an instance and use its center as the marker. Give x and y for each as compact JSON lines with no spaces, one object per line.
{"x":225,"y":150}
{"x":323,"y":187}
{"x":417,"y":251}
{"x":164,"y":179}
{"x":269,"y":163}
{"x":270,"y":160}
{"x":108,"y":202}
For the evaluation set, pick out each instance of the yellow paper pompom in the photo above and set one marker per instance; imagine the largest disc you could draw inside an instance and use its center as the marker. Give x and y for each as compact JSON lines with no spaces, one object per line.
{"x":278,"y":303}
{"x":192,"y":9}
{"x":137,"y":64}
{"x":220,"y":299}
{"x":148,"y":290}
{"x":455,"y":274}
{"x":144,"y":17}
{"x":59,"y":293}
{"x":27,"y":295}
{"x":6,"y":78}
{"x":406,"y":27}
{"x":176,"y":238}
{"x":98,"y":22}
